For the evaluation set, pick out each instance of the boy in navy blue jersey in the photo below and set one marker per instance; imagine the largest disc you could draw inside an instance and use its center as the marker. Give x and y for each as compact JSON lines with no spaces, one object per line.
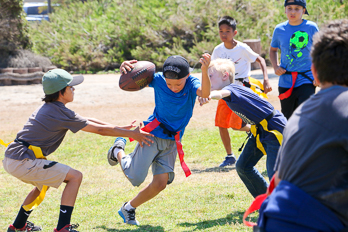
{"x":175,"y":95}
{"x":294,"y":39}
{"x":266,"y":124}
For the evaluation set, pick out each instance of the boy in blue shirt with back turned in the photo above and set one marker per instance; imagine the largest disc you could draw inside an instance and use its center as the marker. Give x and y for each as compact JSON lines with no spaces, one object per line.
{"x":294,"y":39}
{"x":175,"y":95}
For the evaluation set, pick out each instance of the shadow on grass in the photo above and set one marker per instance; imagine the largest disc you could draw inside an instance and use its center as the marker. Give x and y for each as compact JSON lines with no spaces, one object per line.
{"x":145,"y":228}
{"x":215,"y":169}
{"x":232,"y":218}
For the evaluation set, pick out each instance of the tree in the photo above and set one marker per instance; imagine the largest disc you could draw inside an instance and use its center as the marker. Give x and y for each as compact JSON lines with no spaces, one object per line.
{"x":13,"y":27}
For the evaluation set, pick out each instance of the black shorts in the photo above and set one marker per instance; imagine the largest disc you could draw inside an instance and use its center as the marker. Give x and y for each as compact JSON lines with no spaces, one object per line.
{"x":299,"y":95}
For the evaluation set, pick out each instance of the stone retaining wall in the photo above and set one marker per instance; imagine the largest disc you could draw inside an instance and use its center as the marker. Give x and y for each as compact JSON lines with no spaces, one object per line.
{"x":22,"y":76}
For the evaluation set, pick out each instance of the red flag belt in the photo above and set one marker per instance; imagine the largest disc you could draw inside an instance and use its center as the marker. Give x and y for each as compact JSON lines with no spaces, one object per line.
{"x":155,"y":123}
{"x":258,"y":202}
{"x":289,"y":91}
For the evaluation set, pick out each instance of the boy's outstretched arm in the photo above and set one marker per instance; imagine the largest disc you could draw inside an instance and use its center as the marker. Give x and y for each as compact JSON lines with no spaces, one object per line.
{"x":216,"y":95}
{"x":111,"y":130}
{"x":266,"y":85}
{"x":204,"y":90}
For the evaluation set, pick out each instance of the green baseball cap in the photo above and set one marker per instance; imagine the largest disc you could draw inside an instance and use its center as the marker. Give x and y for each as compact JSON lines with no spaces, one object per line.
{"x":57,"y":79}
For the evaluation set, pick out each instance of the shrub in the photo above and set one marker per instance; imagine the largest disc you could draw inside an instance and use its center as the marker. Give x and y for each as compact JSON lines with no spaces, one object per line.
{"x":99,"y":35}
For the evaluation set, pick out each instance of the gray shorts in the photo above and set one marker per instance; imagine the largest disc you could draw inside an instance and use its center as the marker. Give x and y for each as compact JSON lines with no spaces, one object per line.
{"x":161,"y":155}
{"x":37,"y":172}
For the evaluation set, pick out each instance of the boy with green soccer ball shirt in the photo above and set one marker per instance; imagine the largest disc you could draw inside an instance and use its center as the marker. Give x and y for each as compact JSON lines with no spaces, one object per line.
{"x":294,"y":39}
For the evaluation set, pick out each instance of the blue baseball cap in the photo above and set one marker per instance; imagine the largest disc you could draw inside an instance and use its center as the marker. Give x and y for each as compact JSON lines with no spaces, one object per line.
{"x":57,"y":79}
{"x":298,"y":3}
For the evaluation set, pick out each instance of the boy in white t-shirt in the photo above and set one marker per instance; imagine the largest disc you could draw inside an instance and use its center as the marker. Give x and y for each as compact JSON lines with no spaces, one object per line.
{"x":242,"y":56}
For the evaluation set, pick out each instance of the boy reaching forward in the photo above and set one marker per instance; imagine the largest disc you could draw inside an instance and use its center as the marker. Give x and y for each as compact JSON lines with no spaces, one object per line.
{"x":242,"y":56}
{"x":175,"y":95}
{"x":266,"y":124}
{"x":25,"y":157}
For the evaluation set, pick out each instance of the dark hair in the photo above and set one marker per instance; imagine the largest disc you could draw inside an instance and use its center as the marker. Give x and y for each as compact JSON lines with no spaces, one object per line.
{"x":54,"y":96}
{"x":330,"y":52}
{"x":228,"y":21}
{"x":171,"y":75}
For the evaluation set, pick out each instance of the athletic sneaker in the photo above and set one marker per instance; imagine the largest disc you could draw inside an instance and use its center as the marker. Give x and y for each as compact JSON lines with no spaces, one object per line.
{"x":119,"y":143}
{"x":128,"y":215}
{"x":29,"y":226}
{"x":229,"y":160}
{"x":68,"y":228}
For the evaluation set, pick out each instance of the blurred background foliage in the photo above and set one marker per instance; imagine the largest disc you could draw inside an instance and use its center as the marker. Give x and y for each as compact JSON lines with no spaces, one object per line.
{"x":98,"y":35}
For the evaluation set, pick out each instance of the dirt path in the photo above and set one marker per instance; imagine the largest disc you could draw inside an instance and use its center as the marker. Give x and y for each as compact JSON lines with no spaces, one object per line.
{"x":100,"y":97}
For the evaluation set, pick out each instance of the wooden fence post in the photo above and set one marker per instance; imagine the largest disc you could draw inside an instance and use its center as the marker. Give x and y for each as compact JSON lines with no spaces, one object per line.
{"x":255,"y":45}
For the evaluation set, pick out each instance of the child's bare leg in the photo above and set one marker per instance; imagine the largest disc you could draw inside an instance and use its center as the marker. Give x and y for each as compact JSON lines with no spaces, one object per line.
{"x":73,"y":181}
{"x":157,"y":185}
{"x":226,"y":140}
{"x":31,"y":196}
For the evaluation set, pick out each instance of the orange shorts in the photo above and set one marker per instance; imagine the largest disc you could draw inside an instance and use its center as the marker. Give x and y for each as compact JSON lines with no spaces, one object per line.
{"x":226,"y":118}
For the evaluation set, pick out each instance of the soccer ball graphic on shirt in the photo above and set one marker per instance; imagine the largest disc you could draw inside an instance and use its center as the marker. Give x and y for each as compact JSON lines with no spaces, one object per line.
{"x":298,"y":42}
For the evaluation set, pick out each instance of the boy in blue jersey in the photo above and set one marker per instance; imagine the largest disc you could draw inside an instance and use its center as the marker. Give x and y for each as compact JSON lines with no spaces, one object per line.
{"x":267,"y":124}
{"x":175,"y":95}
{"x":312,"y":164}
{"x":294,"y":39}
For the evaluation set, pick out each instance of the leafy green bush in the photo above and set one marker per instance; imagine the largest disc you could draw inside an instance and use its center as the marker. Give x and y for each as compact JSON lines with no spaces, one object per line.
{"x":99,"y":35}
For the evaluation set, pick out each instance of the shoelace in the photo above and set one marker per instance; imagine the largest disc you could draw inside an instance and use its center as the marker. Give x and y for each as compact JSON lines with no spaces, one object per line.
{"x":72,"y":227}
{"x":131,"y":214}
{"x":30,"y":226}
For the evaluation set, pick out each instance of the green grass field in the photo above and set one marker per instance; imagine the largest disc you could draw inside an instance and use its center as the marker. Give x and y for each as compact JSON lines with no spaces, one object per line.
{"x":211,"y":199}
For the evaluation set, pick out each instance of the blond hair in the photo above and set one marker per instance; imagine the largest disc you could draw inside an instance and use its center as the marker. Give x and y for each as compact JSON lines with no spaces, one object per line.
{"x":224,"y":65}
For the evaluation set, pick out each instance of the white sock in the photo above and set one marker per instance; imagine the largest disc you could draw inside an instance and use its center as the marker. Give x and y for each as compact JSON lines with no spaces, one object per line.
{"x":128,"y":206}
{"x":230,"y":155}
{"x":116,"y":151}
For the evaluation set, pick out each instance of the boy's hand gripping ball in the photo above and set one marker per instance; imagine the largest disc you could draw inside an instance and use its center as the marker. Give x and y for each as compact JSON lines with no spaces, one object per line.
{"x":139,"y":77}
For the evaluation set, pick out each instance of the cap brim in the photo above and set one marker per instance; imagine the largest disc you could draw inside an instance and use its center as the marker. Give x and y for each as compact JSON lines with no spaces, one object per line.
{"x":76,"y":80}
{"x":191,"y":69}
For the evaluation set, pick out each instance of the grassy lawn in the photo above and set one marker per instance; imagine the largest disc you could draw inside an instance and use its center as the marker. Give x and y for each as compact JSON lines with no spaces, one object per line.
{"x":211,"y":199}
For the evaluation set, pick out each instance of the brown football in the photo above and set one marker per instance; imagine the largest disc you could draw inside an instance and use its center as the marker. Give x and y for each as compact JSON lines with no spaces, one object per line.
{"x":139,"y":77}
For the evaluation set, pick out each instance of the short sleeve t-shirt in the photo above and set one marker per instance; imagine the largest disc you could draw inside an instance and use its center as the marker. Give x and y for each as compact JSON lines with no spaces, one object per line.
{"x":46,"y":129}
{"x":314,"y":153}
{"x":242,"y":56}
{"x":174,"y":110}
{"x":252,"y":109}
{"x":295,"y":43}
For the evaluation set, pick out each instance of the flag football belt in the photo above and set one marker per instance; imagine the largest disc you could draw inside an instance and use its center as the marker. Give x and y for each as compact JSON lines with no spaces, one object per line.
{"x":155,"y":123}
{"x":258,"y":202}
{"x":294,"y":77}
{"x":264,"y":125}
{"x":38,"y":154}
{"x":255,"y":85}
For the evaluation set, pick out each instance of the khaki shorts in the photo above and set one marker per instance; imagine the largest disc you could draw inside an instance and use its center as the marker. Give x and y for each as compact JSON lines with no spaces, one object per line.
{"x":37,"y":172}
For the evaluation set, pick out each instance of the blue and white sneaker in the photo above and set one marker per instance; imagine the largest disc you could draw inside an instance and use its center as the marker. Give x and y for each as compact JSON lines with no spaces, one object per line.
{"x":119,"y":143}
{"x":229,"y":161}
{"x":128,"y":215}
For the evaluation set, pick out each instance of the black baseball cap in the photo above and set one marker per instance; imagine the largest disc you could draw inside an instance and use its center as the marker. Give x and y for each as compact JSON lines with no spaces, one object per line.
{"x":178,"y":65}
{"x":298,"y":3}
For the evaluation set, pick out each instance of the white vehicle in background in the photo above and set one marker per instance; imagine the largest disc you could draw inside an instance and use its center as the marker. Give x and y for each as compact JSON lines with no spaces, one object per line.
{"x":37,"y":11}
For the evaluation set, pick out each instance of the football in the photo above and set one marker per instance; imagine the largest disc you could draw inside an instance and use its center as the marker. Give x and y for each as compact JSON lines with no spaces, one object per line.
{"x":139,"y":77}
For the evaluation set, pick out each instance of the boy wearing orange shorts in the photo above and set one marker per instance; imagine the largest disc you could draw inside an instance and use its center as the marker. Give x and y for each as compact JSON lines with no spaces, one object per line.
{"x":242,"y":56}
